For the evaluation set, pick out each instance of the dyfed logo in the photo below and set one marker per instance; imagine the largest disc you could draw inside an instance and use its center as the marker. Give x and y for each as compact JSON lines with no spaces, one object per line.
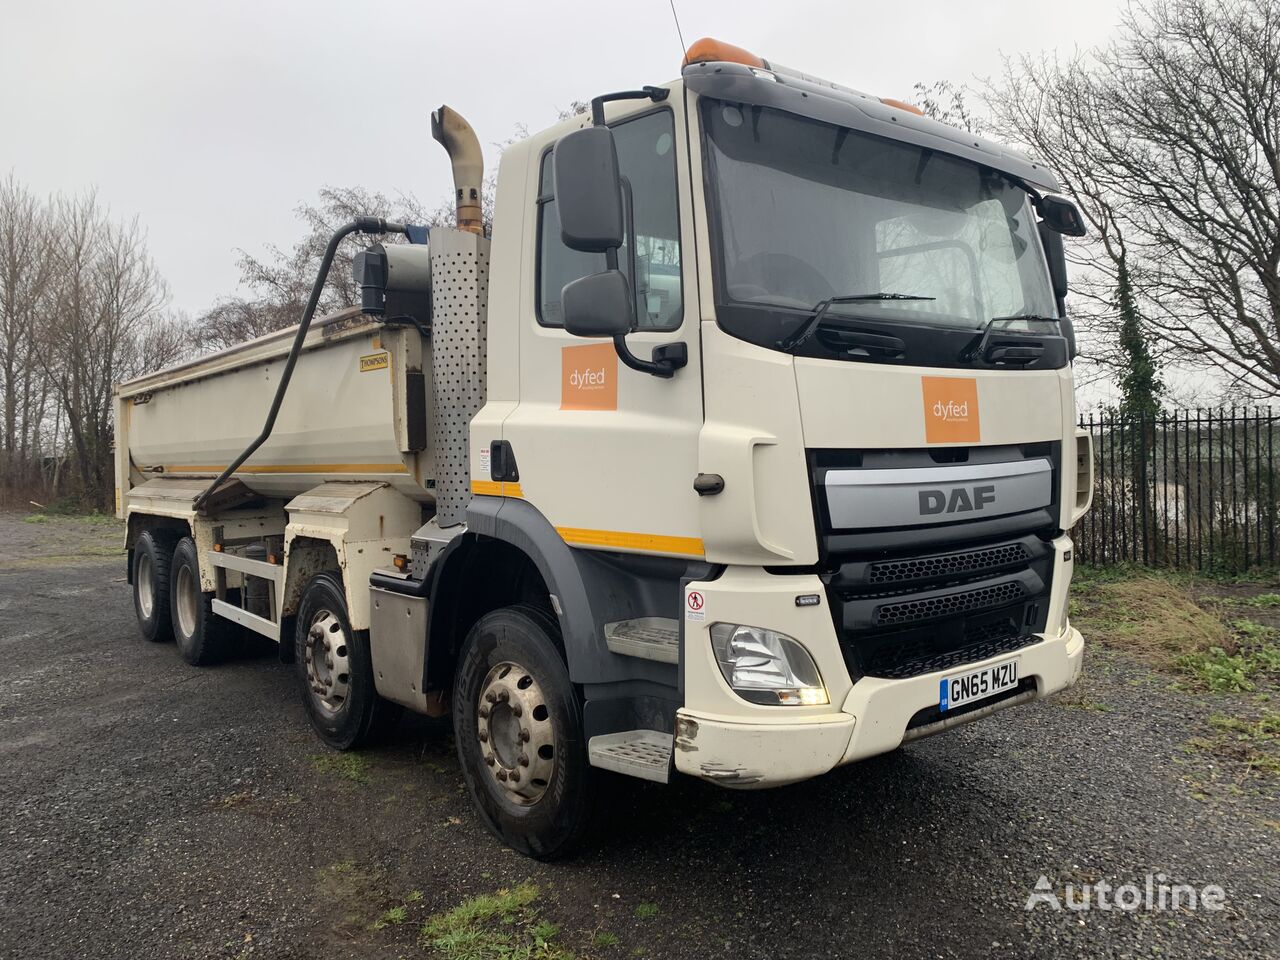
{"x":589,"y":377}
{"x":950,"y":409}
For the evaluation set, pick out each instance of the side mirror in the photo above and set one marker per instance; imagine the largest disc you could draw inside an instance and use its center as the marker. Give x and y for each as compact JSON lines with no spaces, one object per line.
{"x":588,"y":189}
{"x":1061,"y":216}
{"x":598,"y":305}
{"x":1051,"y":240}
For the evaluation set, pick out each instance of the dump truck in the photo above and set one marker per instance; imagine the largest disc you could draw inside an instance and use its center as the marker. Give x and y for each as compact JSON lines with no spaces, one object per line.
{"x":741,"y":447}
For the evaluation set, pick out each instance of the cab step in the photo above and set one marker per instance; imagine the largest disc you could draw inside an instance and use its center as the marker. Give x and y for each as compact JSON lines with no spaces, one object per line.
{"x":637,"y":753}
{"x":650,"y":638}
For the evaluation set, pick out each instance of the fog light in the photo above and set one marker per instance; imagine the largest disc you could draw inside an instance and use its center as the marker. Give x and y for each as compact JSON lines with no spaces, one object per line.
{"x":767,"y":667}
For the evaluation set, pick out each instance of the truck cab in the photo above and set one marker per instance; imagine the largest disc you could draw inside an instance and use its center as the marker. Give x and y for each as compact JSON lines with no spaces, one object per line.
{"x":752,"y":452}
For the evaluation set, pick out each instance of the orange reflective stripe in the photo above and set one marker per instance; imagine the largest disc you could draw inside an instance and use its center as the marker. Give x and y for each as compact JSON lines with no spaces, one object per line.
{"x":292,"y":468}
{"x":495,"y":488}
{"x":651,"y":542}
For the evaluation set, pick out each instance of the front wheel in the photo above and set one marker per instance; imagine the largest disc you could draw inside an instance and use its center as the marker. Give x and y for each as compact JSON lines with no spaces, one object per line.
{"x":517,"y":721}
{"x":334,"y":669}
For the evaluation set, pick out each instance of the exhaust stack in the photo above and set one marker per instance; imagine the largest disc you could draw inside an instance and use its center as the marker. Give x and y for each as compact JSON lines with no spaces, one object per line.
{"x":459,"y":141}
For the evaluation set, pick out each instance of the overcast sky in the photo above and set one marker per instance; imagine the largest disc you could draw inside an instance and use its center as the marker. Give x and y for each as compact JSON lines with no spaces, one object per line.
{"x":211,"y":121}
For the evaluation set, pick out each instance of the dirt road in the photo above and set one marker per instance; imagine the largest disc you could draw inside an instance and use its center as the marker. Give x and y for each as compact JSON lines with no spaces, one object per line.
{"x":155,"y":810}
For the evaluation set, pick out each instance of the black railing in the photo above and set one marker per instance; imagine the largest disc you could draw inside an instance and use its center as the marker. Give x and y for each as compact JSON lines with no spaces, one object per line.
{"x":1190,"y":489}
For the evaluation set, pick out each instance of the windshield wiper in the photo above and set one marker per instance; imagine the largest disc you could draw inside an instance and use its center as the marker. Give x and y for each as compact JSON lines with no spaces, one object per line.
{"x":810,"y":326}
{"x":977,"y":347}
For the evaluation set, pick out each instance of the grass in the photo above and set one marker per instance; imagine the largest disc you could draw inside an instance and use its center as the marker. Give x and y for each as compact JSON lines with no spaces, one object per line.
{"x":1152,"y":616}
{"x":1216,"y":670}
{"x":392,"y":917}
{"x":348,"y":766}
{"x":1204,"y":641}
{"x":1265,"y":600}
{"x":647,"y":910}
{"x":604,"y":939}
{"x":1255,"y":742}
{"x":1156,"y":617}
{"x":1252,"y":654}
{"x":494,"y":926}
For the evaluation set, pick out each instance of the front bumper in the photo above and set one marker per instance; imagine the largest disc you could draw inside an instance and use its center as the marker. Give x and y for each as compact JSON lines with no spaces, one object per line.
{"x":724,"y":739}
{"x":873,"y":719}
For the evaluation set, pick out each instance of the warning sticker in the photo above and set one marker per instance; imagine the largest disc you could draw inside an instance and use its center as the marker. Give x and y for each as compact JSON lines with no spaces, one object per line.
{"x":374,"y":361}
{"x":693,"y":605}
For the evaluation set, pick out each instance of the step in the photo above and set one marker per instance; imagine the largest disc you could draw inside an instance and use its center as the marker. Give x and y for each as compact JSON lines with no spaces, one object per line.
{"x":637,"y":753}
{"x":651,"y":638}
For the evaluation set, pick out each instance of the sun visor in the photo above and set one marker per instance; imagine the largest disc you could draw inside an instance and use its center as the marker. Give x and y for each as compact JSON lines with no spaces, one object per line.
{"x":740,"y":83}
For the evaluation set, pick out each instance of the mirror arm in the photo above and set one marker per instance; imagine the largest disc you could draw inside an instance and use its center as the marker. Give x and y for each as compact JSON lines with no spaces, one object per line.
{"x":656,"y":94}
{"x":667,"y":357}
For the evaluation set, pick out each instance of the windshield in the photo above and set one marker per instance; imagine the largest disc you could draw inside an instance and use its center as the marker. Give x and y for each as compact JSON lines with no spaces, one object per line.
{"x":807,"y":211}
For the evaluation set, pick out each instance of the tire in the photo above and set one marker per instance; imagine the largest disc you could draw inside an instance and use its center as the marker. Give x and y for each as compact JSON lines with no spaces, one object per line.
{"x":344,"y":713}
{"x":203,"y":637}
{"x":152,"y":559}
{"x":539,"y":802}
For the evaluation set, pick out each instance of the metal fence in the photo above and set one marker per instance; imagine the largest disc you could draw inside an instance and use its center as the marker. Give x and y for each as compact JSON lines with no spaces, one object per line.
{"x":1191,"y":489}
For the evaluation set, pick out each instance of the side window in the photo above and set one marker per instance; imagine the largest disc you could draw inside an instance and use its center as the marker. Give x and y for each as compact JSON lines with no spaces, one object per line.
{"x":646,"y":156}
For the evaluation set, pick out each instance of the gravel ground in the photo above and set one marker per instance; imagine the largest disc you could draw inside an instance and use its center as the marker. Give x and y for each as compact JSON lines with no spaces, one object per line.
{"x":154,"y":810}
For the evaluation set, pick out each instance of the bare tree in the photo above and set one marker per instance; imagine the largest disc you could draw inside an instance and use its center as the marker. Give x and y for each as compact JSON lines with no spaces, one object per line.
{"x":279,"y":283}
{"x":26,"y":269}
{"x":948,"y":102}
{"x":1169,"y":140}
{"x":98,"y":324}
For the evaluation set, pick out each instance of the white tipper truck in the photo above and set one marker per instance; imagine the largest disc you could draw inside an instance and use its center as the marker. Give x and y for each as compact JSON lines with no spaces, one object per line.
{"x":744,"y":448}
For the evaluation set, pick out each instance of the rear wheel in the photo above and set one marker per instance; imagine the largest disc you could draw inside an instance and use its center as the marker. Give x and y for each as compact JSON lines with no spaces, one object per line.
{"x":518,"y":725}
{"x":203,"y":637}
{"x":334,"y":669}
{"x":152,"y":558}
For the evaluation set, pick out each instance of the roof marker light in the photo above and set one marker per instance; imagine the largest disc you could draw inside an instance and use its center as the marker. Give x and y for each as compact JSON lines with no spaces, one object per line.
{"x":902,"y":105}
{"x":708,"y":50}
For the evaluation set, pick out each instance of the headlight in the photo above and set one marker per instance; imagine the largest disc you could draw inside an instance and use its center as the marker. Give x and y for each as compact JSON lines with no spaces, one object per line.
{"x":767,"y":667}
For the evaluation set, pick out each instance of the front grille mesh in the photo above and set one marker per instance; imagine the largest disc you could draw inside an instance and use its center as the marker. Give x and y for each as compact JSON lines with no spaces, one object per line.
{"x":949,"y":604}
{"x":889,"y":572}
{"x":898,"y":662}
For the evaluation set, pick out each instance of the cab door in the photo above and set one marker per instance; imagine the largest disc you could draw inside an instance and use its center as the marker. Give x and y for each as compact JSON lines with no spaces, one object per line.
{"x":606,"y":453}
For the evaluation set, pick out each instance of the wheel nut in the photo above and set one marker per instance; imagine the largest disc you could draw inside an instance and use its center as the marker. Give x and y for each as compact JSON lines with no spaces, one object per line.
{"x":484,"y":713}
{"x":504,"y":696}
{"x":515,"y":776}
{"x":524,"y":735}
{"x":488,"y":759}
{"x":524,"y":759}
{"x":484,"y":736}
{"x":517,"y":709}
{"x":502,"y":775}
{"x":491,"y":697}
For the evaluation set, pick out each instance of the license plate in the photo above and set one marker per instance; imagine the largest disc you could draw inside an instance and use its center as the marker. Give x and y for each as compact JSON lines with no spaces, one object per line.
{"x":977,"y":685}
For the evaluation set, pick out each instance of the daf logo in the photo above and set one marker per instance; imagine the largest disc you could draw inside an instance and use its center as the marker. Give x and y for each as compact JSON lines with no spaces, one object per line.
{"x":957,"y":500}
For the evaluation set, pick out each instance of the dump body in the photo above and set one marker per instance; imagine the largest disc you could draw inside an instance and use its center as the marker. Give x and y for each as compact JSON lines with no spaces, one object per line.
{"x":356,"y":409}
